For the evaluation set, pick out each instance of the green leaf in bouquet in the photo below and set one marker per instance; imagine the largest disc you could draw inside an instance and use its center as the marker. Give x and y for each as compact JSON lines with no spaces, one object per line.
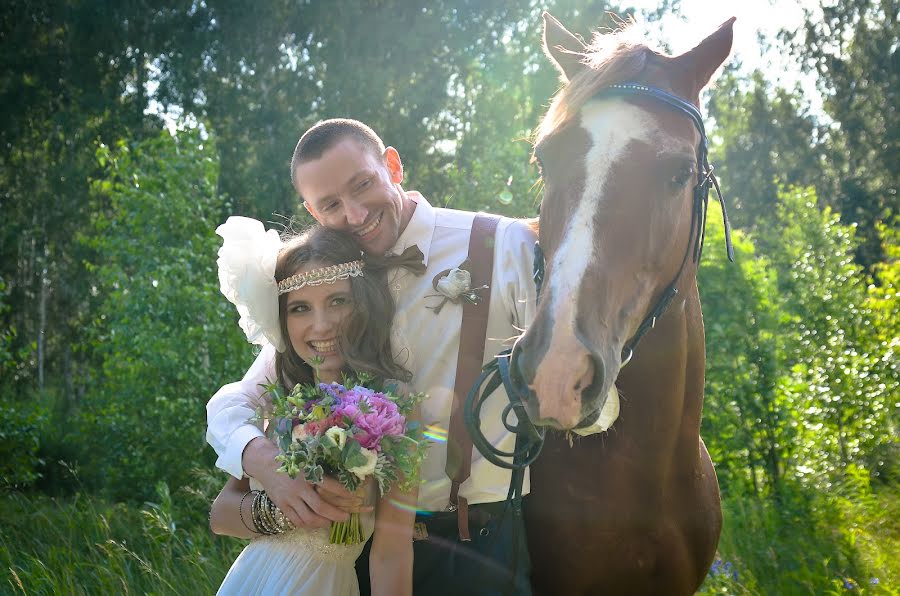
{"x":314,"y":473}
{"x":348,"y":479}
{"x":385,"y":474}
{"x":352,"y":455}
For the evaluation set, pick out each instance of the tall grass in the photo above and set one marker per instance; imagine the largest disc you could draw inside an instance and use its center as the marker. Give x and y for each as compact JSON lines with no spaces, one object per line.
{"x":842,"y":541}
{"x":84,"y":545}
{"x":838,"y":542}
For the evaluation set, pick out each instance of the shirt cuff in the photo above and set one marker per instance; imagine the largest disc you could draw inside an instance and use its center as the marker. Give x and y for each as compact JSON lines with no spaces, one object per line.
{"x":231,"y":458}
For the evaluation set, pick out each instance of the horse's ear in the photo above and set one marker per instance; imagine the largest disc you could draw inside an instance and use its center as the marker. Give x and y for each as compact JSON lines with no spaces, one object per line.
{"x":710,"y":53}
{"x":563,"y":48}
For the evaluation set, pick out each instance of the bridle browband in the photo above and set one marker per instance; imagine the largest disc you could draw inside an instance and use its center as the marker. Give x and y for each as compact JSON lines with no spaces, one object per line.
{"x":529,"y":438}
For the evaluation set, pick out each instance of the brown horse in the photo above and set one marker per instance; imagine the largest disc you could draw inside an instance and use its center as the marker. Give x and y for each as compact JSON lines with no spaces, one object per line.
{"x":635,"y":510}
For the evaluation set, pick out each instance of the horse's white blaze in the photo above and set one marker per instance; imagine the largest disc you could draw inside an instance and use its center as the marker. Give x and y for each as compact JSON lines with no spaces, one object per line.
{"x":611,"y":124}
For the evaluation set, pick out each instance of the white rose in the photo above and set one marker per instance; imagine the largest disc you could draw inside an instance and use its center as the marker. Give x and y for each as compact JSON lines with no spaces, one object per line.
{"x":338,"y":435}
{"x":454,"y":283}
{"x":298,"y":433}
{"x":369,"y":467}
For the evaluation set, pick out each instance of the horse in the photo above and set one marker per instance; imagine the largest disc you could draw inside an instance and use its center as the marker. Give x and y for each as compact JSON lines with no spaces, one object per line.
{"x":622,"y":155}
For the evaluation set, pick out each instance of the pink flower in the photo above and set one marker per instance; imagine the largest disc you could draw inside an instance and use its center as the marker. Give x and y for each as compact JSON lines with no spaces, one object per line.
{"x":378,"y":418}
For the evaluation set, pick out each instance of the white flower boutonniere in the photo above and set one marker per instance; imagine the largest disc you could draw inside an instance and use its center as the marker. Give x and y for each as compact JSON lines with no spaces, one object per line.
{"x":455,"y":285}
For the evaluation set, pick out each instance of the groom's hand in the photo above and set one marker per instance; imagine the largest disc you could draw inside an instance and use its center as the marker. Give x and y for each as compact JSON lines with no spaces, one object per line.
{"x":299,"y":500}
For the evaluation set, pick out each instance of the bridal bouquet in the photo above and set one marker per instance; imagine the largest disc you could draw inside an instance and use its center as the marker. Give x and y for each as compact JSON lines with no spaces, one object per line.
{"x":349,"y":431}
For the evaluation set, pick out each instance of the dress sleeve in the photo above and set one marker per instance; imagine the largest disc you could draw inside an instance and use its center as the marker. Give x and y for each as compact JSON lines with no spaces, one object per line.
{"x":228,"y":413}
{"x":513,"y":270}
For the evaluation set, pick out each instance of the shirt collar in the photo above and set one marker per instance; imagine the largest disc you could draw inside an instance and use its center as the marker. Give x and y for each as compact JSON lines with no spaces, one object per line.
{"x":419,"y":230}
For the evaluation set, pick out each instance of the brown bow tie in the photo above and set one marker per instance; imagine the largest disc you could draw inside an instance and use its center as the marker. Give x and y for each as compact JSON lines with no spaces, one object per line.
{"x":411,"y":258}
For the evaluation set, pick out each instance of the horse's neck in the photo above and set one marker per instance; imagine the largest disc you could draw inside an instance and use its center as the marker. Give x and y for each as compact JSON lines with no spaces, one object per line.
{"x":662,"y":387}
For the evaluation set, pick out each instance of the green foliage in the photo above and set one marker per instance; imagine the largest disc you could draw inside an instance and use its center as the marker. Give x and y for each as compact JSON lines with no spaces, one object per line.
{"x":837,"y":379}
{"x":852,"y":48}
{"x":763,"y":137}
{"x":85,"y":545}
{"x":809,"y":542}
{"x":746,"y":420}
{"x":164,"y":335}
{"x":799,"y":381}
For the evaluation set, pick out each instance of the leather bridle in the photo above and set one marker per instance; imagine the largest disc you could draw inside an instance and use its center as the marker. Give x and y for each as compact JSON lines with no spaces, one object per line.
{"x":530,"y":438}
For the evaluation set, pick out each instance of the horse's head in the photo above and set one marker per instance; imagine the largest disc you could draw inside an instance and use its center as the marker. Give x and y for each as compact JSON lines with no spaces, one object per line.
{"x":617,"y":217}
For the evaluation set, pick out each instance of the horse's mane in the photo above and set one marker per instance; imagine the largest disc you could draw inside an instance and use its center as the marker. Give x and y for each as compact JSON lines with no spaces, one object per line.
{"x":611,"y":58}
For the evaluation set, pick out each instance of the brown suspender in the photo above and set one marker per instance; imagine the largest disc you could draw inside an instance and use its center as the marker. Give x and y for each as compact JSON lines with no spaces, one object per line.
{"x":471,"y":357}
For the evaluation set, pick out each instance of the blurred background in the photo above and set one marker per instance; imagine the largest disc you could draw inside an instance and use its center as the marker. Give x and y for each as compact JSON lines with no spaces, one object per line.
{"x":130,"y":129}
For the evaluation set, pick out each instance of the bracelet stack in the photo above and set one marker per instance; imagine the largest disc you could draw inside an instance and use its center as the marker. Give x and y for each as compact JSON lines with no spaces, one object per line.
{"x":267,"y":518}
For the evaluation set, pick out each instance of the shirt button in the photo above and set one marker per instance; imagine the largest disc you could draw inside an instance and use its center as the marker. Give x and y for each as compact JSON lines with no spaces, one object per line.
{"x":396,"y":286}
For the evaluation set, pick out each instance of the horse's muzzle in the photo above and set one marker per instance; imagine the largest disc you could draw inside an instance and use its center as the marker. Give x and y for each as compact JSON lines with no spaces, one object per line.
{"x":562,"y":400}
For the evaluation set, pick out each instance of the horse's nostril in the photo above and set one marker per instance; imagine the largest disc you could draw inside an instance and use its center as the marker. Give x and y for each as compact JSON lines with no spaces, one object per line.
{"x":591,"y":380}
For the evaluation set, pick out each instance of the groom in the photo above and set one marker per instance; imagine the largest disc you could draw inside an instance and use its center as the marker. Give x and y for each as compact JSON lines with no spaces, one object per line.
{"x":350,"y":181}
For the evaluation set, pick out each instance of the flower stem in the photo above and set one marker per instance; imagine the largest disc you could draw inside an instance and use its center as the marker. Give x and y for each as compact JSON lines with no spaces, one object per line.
{"x":348,"y":532}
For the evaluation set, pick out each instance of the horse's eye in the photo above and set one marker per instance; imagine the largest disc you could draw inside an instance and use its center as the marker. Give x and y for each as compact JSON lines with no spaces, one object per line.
{"x":680,"y":179}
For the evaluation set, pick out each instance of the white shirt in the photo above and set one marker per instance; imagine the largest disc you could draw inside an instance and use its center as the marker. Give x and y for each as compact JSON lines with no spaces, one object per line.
{"x":425,"y":343}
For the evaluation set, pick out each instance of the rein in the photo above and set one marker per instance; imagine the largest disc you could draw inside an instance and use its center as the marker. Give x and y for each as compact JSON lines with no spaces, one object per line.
{"x":529,"y":438}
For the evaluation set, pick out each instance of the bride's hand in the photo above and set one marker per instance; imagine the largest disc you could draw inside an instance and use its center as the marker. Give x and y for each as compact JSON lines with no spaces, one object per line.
{"x":334,"y":492}
{"x":303,"y":504}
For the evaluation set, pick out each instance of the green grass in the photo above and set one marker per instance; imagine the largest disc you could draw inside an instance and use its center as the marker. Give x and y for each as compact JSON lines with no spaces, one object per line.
{"x":808,"y":543}
{"x":84,"y":545}
{"x":838,"y":541}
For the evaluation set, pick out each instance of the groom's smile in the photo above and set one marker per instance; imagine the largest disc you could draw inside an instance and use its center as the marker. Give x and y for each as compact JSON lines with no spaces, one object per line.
{"x":366,"y":233}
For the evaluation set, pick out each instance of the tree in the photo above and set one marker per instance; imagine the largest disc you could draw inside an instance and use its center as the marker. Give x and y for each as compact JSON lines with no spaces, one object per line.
{"x":853,"y":48}
{"x":763,"y":137}
{"x":163,"y":335}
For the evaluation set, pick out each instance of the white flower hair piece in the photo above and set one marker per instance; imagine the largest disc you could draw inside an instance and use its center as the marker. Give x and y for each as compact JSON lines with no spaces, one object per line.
{"x":247,"y":277}
{"x":322,"y":275}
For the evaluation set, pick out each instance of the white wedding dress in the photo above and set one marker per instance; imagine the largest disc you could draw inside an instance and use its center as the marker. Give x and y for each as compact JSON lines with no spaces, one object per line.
{"x":297,"y":562}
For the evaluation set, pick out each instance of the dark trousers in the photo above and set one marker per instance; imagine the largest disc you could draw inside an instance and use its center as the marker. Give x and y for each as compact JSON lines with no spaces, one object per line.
{"x":494,"y":563}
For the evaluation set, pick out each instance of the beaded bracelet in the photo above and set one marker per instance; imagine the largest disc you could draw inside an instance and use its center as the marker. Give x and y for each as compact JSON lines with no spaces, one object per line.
{"x":241,"y":511}
{"x":267,"y":517}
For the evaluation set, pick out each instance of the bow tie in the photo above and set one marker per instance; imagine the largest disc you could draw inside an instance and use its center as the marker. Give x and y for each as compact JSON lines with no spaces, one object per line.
{"x":411,"y":259}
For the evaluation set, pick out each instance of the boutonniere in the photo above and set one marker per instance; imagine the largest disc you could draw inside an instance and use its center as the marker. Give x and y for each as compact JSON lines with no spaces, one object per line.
{"x":455,"y":285}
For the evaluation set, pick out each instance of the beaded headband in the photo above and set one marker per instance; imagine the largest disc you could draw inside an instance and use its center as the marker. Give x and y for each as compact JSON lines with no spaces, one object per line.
{"x":323,"y":275}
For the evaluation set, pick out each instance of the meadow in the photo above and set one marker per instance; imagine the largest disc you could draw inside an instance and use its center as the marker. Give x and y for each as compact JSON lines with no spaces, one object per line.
{"x":841,"y":542}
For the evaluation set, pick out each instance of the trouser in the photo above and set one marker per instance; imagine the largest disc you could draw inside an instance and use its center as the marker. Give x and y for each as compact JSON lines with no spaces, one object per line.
{"x":494,"y":563}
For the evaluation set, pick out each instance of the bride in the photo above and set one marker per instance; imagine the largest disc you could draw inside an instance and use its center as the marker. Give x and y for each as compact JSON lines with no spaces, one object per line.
{"x":334,"y":307}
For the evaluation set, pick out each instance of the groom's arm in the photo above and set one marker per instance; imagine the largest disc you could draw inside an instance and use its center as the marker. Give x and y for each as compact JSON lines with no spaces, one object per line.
{"x":228,"y":413}
{"x":513,"y":271}
{"x":243,"y":450}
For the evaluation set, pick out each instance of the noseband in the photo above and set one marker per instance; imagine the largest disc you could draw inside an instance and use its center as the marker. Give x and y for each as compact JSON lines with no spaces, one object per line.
{"x":529,"y":438}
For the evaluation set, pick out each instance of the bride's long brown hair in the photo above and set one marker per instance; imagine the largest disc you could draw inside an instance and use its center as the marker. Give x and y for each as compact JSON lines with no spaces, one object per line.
{"x":365,"y":335}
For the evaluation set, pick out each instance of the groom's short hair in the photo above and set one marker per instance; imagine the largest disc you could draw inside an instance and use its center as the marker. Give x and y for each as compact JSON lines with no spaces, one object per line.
{"x":325,"y":134}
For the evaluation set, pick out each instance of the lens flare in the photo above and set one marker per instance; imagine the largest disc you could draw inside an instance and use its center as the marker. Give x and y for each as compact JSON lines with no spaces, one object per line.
{"x":435,"y":434}
{"x":403,"y":506}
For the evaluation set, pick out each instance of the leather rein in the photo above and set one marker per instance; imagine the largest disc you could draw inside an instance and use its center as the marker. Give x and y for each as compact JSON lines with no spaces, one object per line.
{"x":529,"y":438}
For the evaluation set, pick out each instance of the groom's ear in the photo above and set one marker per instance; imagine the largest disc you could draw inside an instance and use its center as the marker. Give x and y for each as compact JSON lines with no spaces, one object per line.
{"x":394,"y":165}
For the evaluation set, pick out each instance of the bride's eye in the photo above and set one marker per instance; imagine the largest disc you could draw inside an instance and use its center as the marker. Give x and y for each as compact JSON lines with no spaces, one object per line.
{"x":341,"y":301}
